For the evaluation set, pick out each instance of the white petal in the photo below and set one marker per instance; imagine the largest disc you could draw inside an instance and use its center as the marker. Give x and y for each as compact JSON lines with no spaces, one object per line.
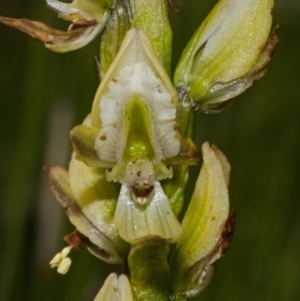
{"x":115,"y":289}
{"x":142,"y":223}
{"x":137,"y":79}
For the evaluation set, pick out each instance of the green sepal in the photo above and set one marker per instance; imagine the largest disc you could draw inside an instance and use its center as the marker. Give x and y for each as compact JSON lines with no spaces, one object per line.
{"x":149,"y":272}
{"x":221,"y":96}
{"x":151,"y":16}
{"x":103,"y":247}
{"x":97,"y":198}
{"x":174,"y":188}
{"x":201,"y":242}
{"x":117,"y":26}
{"x":223,"y":50}
{"x":83,"y":141}
{"x":136,"y":48}
{"x":187,"y":154}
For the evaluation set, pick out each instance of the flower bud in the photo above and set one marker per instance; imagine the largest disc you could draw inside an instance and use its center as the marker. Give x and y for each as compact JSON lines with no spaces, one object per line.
{"x":151,"y":16}
{"x":115,"y":289}
{"x":219,"y":61}
{"x":117,"y":26}
{"x":201,"y":242}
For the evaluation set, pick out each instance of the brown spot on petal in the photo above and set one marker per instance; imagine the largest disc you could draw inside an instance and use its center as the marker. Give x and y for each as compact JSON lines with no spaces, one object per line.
{"x":103,"y":138}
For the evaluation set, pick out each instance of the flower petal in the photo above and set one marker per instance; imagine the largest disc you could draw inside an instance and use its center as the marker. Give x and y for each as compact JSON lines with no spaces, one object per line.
{"x":57,"y":40}
{"x":83,"y":139}
{"x":97,"y":200}
{"x":115,"y":289}
{"x":80,"y":10}
{"x":147,"y":223}
{"x":102,"y":246}
{"x":151,"y":16}
{"x":135,"y":49}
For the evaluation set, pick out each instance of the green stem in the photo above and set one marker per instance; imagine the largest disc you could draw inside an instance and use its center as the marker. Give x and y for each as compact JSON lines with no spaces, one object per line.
{"x":185,"y":115}
{"x":150,"y":272}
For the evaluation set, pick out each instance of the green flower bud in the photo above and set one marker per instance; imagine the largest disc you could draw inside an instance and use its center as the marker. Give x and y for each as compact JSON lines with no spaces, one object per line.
{"x":219,"y":61}
{"x":202,"y":241}
{"x":151,"y":16}
{"x":117,"y":26}
{"x":115,"y":289}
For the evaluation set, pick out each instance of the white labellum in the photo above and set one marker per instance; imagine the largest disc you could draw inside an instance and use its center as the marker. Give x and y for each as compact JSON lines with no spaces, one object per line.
{"x":136,"y":80}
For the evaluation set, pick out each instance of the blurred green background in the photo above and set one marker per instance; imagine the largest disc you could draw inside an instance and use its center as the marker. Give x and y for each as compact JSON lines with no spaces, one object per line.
{"x":43,"y":95}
